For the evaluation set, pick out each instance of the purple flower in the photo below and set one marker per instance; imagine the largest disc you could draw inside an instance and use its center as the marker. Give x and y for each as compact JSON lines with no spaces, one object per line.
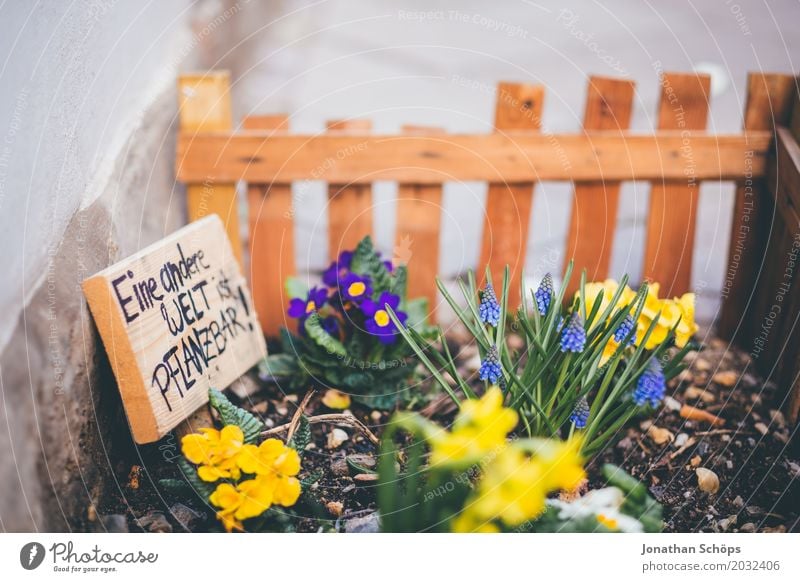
{"x":490,"y":369}
{"x":544,"y":294}
{"x":302,"y":308}
{"x":573,"y":336}
{"x":580,"y":414}
{"x":489,"y":309}
{"x":378,"y":322}
{"x":624,"y":329}
{"x":337,"y":269}
{"x":651,"y":385}
{"x":355,"y":288}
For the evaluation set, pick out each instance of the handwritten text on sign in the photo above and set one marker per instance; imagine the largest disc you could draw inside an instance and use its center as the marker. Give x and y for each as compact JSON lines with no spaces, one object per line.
{"x":176,"y":318}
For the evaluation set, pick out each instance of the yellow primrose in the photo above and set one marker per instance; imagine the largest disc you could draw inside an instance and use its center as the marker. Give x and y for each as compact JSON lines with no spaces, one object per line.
{"x":515,"y":485}
{"x":215,"y":451}
{"x":248,"y":499}
{"x":276,"y":465}
{"x":480,"y":427}
{"x":336,"y":399}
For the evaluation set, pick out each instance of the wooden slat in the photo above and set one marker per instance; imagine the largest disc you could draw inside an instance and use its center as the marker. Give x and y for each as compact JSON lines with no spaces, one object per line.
{"x":349,"y":201}
{"x":509,"y":156}
{"x":509,"y":202}
{"x":769,"y":101}
{"x":205,"y":106}
{"x":419,"y":222}
{"x":672,"y":215}
{"x":783,"y":180}
{"x":609,"y":105}
{"x":272,"y":254}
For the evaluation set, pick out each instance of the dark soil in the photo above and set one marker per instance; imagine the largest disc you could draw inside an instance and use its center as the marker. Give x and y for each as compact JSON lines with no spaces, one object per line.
{"x":753,"y":454}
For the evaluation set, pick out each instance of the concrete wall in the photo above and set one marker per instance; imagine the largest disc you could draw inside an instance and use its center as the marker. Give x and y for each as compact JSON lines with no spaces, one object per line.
{"x":87,"y":117}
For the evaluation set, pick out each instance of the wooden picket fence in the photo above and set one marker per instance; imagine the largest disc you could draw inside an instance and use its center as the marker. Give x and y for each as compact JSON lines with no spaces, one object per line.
{"x":763,"y":161}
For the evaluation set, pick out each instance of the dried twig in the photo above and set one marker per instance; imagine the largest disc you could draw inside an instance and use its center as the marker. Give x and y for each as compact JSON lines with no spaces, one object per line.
{"x":329,"y":418}
{"x":292,"y":426}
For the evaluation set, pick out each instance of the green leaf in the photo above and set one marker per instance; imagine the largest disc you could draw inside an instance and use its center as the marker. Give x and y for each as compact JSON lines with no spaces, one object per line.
{"x":202,"y":488}
{"x":278,"y":366}
{"x":174,"y":486}
{"x":295,"y":288}
{"x":307,"y":482}
{"x":417,"y":311}
{"x":359,"y":469}
{"x":230,"y":414}
{"x":302,"y":436}
{"x":400,"y":281}
{"x":367,"y":262}
{"x":378,"y":401}
{"x":322,"y":338}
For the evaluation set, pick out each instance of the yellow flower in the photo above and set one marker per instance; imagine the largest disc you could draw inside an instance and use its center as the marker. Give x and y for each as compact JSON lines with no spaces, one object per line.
{"x":671,"y":312}
{"x":215,"y":451}
{"x":276,"y":466}
{"x":248,"y":499}
{"x":480,"y":427}
{"x":336,"y":399}
{"x":515,"y":485}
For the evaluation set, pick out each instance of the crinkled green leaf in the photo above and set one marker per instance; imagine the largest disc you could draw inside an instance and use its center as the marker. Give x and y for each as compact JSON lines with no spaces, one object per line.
{"x":230,"y":414}
{"x":322,"y":338}
{"x":302,"y":436}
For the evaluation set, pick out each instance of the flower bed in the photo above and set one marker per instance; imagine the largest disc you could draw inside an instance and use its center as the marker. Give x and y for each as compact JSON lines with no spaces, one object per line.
{"x":597,"y":413}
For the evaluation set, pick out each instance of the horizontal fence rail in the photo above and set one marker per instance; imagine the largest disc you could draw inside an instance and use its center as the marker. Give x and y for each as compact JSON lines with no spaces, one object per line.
{"x":508,"y":157}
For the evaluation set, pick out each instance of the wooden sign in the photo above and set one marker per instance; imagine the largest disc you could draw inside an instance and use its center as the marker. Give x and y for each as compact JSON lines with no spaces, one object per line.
{"x":176,"y":318}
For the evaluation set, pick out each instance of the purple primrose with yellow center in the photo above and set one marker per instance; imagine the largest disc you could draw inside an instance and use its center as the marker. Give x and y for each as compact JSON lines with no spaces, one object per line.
{"x":355,"y":288}
{"x":302,"y":308}
{"x":378,"y":322}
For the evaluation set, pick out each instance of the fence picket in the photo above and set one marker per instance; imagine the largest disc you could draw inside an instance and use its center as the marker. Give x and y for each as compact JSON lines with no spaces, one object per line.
{"x":204,"y":105}
{"x":769,"y":103}
{"x":419,"y":219}
{"x":609,"y":104}
{"x":349,"y":205}
{"x":673,"y":204}
{"x":508,"y":205}
{"x":271,"y":244}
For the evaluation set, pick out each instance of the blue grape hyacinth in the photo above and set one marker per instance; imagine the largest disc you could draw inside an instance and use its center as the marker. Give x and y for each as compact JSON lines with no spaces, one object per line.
{"x":624,"y":329}
{"x":580,"y":414}
{"x":573,"y":336}
{"x":544,"y":294}
{"x":651,"y":385}
{"x":489,"y":309}
{"x":490,"y":369}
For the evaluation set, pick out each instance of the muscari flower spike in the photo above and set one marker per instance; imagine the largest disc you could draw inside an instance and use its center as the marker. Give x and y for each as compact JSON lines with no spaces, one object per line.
{"x":573,"y":336}
{"x":580,"y":414}
{"x":624,"y":329}
{"x":544,"y":294}
{"x":651,"y":385}
{"x":489,"y":309}
{"x":490,"y":368}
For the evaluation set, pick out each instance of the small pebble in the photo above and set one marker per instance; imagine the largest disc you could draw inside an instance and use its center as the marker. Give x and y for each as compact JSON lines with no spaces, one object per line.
{"x":335,"y":508}
{"x":727,"y":378}
{"x":681,"y":439}
{"x":748,"y":527}
{"x":707,"y":480}
{"x":336,"y":437}
{"x":155,"y":521}
{"x":671,"y":404}
{"x":762,"y":428}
